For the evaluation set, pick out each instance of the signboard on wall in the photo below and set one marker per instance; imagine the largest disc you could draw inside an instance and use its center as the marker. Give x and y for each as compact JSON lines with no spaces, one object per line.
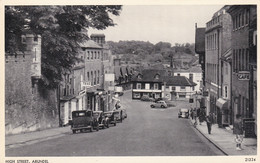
{"x":243,"y":75}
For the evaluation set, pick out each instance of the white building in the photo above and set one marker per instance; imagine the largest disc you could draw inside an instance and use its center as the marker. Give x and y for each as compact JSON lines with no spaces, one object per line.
{"x":194,"y":74}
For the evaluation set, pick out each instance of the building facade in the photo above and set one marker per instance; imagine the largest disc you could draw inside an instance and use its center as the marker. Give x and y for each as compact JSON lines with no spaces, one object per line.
{"x":244,"y":60}
{"x":217,"y":42}
{"x":194,"y":74}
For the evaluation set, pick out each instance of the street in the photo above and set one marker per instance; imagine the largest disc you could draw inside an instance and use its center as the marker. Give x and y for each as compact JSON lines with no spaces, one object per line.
{"x":145,"y":132}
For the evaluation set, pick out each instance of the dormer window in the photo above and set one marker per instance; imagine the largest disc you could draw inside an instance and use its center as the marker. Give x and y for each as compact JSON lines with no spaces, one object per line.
{"x":139,"y":76}
{"x":157,"y":76}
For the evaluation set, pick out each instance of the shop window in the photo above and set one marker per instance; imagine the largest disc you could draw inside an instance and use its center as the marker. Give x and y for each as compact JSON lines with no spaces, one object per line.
{"x":137,"y":95}
{"x":139,"y":86}
{"x":156,"y":86}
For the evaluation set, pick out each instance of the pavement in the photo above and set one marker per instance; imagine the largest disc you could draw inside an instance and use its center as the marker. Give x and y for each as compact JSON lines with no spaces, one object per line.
{"x":224,"y":139}
{"x":16,"y":140}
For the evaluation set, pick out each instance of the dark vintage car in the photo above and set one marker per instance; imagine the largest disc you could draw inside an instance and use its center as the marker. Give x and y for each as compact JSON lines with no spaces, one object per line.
{"x":117,"y":115}
{"x":183,"y":113}
{"x":102,"y":120}
{"x":110,"y":117}
{"x":83,"y":120}
{"x":124,"y":114}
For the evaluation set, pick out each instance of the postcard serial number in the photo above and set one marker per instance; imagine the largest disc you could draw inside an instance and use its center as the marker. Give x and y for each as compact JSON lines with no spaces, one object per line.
{"x":250,"y":159}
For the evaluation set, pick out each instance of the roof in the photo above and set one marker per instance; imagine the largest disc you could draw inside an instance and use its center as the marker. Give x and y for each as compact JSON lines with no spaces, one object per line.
{"x":90,"y":44}
{"x":97,"y":35}
{"x":192,"y":69}
{"x":179,"y":81}
{"x":148,"y":75}
{"x":200,"y":40}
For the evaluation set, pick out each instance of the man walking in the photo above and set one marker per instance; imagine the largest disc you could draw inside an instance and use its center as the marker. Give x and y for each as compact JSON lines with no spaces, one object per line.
{"x":209,"y":122}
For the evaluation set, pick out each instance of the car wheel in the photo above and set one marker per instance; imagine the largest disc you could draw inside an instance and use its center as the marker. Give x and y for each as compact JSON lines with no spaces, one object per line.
{"x":91,"y":129}
{"x":115,"y":124}
{"x":162,"y":106}
{"x":107,"y":124}
{"x":74,"y":131}
{"x":81,"y":130}
{"x":97,"y":127}
{"x":152,"y":106}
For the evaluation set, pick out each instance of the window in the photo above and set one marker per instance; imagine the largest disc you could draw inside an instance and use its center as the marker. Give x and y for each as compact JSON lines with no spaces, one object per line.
{"x":191,"y":77}
{"x":183,"y":88}
{"x":174,"y":88}
{"x":95,"y":55}
{"x":98,"y":78}
{"x":247,"y":16}
{"x":156,"y":76}
{"x":91,"y":77}
{"x":156,"y":86}
{"x":91,"y":54}
{"x":225,"y":92}
{"x":95,"y":77}
{"x":98,"y":55}
{"x":139,"y":86}
{"x":88,"y":76}
{"x":179,"y":74}
{"x":243,"y":16}
{"x":88,"y":55}
{"x":137,"y":95}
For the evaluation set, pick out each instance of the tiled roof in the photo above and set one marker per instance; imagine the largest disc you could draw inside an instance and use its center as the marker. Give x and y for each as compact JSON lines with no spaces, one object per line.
{"x":200,"y":40}
{"x":192,"y":69}
{"x":90,"y":44}
{"x":179,"y":81}
{"x":148,"y":75}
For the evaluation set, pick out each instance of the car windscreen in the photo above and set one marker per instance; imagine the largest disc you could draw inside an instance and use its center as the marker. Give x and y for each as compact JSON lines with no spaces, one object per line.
{"x":79,"y":114}
{"x":95,"y":115}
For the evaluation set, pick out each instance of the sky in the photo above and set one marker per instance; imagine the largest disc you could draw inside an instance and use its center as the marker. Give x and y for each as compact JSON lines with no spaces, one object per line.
{"x":155,"y":23}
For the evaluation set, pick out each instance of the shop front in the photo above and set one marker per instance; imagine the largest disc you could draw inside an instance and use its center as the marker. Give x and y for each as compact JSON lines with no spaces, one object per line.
{"x":223,"y":113}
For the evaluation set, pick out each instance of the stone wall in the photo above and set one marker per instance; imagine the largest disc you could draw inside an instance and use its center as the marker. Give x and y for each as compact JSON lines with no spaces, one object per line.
{"x":28,"y":106}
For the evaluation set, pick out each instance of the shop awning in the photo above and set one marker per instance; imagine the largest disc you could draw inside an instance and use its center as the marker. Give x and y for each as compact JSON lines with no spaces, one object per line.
{"x":222,"y":104}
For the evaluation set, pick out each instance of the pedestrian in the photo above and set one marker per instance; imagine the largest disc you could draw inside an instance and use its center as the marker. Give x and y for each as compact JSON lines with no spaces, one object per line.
{"x":191,"y":113}
{"x":238,"y":130}
{"x":209,"y":122}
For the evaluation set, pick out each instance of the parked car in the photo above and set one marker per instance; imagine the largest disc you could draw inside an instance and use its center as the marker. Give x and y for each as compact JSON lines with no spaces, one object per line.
{"x":167,"y":101}
{"x":110,"y":117}
{"x":102,"y":120}
{"x":83,"y":120}
{"x":183,"y":113}
{"x":124,"y":114}
{"x":146,"y":98}
{"x":159,"y":104}
{"x":118,"y":115}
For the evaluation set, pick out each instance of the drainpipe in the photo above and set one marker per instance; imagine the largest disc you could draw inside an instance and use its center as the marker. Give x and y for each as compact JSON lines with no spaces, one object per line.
{"x":218,"y":63}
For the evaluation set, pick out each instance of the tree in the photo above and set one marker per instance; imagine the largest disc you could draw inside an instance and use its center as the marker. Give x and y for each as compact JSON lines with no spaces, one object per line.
{"x":62,"y":28}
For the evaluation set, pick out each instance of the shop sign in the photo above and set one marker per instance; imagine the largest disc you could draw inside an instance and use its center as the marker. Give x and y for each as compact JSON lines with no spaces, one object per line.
{"x":243,"y":75}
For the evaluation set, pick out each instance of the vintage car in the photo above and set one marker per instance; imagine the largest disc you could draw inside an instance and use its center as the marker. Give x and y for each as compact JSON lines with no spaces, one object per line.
{"x":110,"y":117}
{"x":159,"y":104}
{"x":83,"y":120}
{"x":146,"y":98}
{"x":102,"y":120}
{"x":124,"y":114}
{"x":117,"y":115}
{"x":183,"y":113}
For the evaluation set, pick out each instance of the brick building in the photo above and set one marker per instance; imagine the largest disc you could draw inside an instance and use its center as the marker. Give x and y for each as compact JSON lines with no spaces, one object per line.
{"x":244,"y":60}
{"x":217,"y":42}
